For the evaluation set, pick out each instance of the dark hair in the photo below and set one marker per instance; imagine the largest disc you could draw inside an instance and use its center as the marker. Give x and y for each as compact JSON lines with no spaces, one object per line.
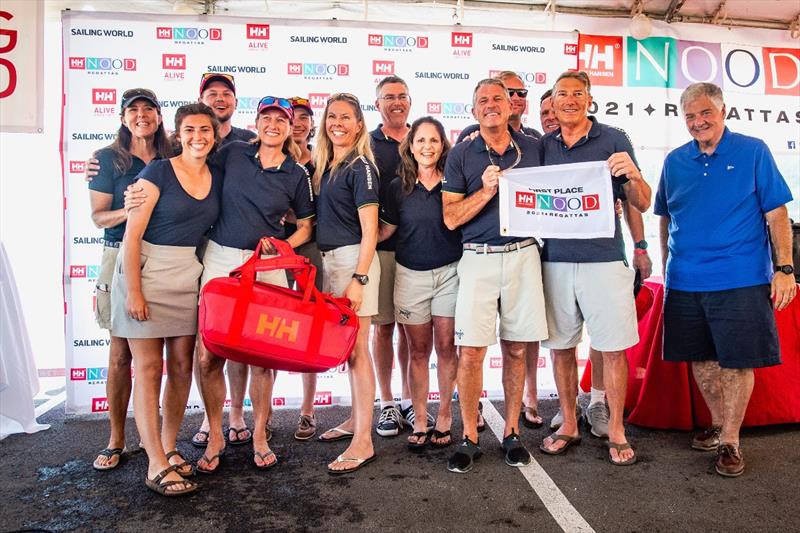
{"x":387,"y":80}
{"x":547,"y":94}
{"x":196,"y":108}
{"x":409,"y":168}
{"x":121,"y":146}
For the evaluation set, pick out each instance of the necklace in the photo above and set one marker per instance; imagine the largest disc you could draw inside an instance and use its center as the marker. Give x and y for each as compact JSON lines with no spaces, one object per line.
{"x":516,"y":162}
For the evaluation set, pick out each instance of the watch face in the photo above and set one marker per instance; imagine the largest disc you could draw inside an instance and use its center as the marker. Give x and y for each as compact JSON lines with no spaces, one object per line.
{"x":641,"y":245}
{"x":786,"y":269}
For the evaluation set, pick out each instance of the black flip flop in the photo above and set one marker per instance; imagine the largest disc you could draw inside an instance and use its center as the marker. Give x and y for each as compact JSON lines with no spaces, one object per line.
{"x":200,"y":443}
{"x":109,"y":453}
{"x":464,"y":459}
{"x":263,"y":457}
{"x":570,"y":441}
{"x":238,"y":431}
{"x":419,"y":446}
{"x":530,"y":423}
{"x":440,"y":435}
{"x":208,"y":461}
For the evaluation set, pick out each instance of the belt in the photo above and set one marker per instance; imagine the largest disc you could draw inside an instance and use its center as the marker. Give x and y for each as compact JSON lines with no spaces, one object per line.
{"x":111,"y":244}
{"x":510,"y":247}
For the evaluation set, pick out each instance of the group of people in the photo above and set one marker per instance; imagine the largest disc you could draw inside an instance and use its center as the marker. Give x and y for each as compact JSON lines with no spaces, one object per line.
{"x":407,"y":227}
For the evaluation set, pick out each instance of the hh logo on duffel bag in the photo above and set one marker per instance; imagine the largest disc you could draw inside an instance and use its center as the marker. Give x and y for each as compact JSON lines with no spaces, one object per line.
{"x":277,"y":327}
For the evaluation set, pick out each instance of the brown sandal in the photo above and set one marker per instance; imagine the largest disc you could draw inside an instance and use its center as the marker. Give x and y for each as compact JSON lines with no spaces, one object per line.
{"x":157,"y":484}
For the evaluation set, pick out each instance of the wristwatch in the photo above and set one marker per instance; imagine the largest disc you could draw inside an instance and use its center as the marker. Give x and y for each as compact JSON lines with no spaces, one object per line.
{"x":361,"y":278}
{"x":641,"y":245}
{"x":786,"y":269}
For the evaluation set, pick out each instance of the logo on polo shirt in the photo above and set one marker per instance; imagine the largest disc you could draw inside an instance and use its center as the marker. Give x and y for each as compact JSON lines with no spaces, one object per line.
{"x":318,"y":71}
{"x":450,"y":109}
{"x":102,"y":65}
{"x":190,"y":35}
{"x":397,"y":43}
{"x":174,"y":66}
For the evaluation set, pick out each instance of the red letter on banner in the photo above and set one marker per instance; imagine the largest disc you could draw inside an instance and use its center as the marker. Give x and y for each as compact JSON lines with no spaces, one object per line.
{"x":782,"y":66}
{"x":10,"y":45}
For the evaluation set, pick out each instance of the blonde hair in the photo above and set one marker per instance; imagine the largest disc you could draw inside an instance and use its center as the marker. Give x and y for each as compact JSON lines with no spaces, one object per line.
{"x":323,"y":150}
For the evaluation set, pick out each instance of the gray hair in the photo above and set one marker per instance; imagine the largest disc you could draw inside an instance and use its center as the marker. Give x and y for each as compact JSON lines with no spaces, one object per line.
{"x":387,"y":80}
{"x":489,"y":81}
{"x":506,"y":74}
{"x":575,"y":75}
{"x":699,"y":90}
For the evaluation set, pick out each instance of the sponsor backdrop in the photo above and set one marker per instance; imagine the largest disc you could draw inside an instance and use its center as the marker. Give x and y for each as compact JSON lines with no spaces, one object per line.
{"x":636,"y":87}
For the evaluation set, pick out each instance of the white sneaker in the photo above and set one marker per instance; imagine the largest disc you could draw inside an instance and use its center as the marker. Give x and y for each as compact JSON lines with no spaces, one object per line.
{"x":390,"y":422}
{"x":597,"y":415}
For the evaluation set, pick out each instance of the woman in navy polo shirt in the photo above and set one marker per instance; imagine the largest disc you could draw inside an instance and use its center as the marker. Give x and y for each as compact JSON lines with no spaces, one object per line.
{"x":155,"y":288}
{"x":346,"y":180}
{"x":426,"y":282}
{"x":140,"y":139}
{"x":263,"y":180}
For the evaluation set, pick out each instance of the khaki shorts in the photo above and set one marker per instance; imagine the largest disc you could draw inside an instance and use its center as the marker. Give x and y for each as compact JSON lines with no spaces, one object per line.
{"x":420,"y":294}
{"x":102,"y":308}
{"x":219,"y":260}
{"x":339,"y":265}
{"x":386,"y":295}
{"x":509,"y":283}
{"x":601,"y":294}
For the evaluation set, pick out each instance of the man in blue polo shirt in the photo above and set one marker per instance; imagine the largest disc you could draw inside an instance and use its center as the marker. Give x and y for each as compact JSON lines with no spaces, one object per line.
{"x":717,"y":197}
{"x":496,"y":274}
{"x":393,"y":101}
{"x":589,"y":279}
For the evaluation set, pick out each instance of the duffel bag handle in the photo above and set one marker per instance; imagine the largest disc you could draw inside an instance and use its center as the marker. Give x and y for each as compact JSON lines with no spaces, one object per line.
{"x":285,"y":260}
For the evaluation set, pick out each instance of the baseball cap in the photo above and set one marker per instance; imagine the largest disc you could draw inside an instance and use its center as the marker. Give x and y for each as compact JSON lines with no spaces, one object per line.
{"x":131,"y":95}
{"x":274,"y":102}
{"x":299,"y":101}
{"x":210,"y":77}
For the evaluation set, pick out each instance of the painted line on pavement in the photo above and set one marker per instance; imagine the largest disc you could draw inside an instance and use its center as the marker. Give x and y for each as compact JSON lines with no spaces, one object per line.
{"x":557,"y":504}
{"x":50,"y":404}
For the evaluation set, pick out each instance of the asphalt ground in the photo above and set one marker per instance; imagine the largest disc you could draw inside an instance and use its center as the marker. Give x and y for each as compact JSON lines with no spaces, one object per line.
{"x":47,"y":484}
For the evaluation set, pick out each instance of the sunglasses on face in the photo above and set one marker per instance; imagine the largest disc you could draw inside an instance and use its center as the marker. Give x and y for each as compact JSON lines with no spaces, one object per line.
{"x":522,"y":93}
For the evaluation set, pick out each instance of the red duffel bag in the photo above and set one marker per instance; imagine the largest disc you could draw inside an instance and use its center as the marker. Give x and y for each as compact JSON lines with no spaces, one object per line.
{"x":260,"y":324}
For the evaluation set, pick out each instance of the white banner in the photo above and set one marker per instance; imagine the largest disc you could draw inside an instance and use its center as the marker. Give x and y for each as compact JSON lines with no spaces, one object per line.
{"x":571,"y":201}
{"x":106,"y":53}
{"x":21,"y":66}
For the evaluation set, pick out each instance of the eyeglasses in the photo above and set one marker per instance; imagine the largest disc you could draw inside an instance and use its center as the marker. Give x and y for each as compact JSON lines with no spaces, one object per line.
{"x":207,"y":75}
{"x":522,"y":93}
{"x":299,"y":101}
{"x":146,"y":93}
{"x":395,"y":98}
{"x":274,"y":100}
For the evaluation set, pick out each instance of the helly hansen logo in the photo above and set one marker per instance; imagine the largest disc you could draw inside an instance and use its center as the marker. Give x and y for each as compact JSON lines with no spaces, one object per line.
{"x":278,"y":327}
{"x":382,"y":68}
{"x":461,"y":39}
{"x":77,"y":374}
{"x":104,"y":96}
{"x":258,"y":31}
{"x":77,"y":167}
{"x":318,"y":100}
{"x":570,"y":49}
{"x":99,"y":405}
{"x":173,"y":61}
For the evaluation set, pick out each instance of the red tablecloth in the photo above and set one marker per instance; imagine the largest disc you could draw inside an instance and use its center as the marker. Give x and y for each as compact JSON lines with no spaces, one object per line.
{"x":664,"y":395}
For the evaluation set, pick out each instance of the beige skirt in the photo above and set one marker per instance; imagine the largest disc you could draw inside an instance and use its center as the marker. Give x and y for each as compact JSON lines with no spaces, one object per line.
{"x":170,"y":284}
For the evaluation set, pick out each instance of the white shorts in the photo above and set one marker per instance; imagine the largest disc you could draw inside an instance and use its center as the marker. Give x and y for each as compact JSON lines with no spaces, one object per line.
{"x":338,"y":267}
{"x":507,"y":283}
{"x":601,"y":294}
{"x":420,"y":294}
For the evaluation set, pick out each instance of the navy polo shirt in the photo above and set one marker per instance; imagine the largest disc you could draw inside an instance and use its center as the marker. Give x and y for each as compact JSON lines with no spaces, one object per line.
{"x":525,"y":130}
{"x":237,"y":134}
{"x":354,"y":185}
{"x":254,"y":199}
{"x":462,"y":175}
{"x":108,"y":180}
{"x":423,"y":241}
{"x":718,"y":236}
{"x":179,"y":219}
{"x":387,"y":158}
{"x":599,"y":144}
{"x":288,"y":227}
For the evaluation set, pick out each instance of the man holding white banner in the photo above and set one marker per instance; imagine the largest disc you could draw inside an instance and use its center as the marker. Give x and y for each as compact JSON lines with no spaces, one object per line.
{"x":586,"y":277}
{"x":495,"y":273}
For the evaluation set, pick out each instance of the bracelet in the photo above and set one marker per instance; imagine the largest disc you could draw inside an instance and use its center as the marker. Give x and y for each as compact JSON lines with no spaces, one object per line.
{"x":639,"y":251}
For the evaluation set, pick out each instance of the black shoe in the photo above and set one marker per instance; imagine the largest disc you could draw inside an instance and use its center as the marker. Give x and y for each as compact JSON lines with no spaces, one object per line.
{"x":463,"y":460}
{"x":515,"y":451}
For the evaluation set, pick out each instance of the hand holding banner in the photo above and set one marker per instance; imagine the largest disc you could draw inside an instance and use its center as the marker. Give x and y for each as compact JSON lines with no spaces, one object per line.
{"x":573,"y":201}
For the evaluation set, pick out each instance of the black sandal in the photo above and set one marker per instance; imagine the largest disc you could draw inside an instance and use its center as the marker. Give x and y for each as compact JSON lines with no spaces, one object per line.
{"x":441,"y":435}
{"x":108,"y":453}
{"x":515,"y":452}
{"x":420,"y":444}
{"x":157,"y":484}
{"x":464,"y":459}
